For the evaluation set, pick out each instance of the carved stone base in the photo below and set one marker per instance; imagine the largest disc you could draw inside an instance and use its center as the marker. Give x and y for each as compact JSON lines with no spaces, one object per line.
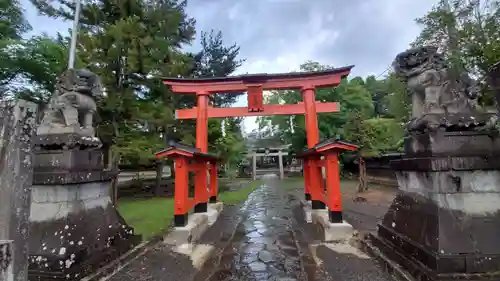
{"x":61,"y":160}
{"x":74,"y":230}
{"x":402,"y":264}
{"x":66,"y":140}
{"x":445,"y":222}
{"x":468,"y":121}
{"x":50,"y":129}
{"x":462,"y":144}
{"x":449,"y":236}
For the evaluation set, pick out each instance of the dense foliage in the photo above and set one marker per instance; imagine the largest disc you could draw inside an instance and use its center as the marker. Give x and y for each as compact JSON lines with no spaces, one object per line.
{"x":131,"y":44}
{"x":370,"y":114}
{"x":374,"y":111}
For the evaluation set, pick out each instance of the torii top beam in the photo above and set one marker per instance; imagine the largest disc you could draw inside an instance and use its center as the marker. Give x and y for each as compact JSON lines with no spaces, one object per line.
{"x":254,"y":85}
{"x":242,"y":83}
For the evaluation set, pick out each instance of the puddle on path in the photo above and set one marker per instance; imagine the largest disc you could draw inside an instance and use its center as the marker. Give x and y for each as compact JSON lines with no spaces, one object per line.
{"x":263,"y":247}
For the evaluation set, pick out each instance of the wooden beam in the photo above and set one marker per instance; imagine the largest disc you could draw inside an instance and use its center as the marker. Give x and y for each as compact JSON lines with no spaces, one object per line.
{"x":270,"y":109}
{"x":238,"y":84}
{"x":269,"y":154}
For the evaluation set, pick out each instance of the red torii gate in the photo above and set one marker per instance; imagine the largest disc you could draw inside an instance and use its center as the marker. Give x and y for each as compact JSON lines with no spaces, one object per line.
{"x":254,"y":85}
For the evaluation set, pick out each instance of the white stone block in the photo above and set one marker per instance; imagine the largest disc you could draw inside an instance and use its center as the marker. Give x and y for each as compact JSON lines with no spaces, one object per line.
{"x":189,"y":234}
{"x":213,"y":212}
{"x":333,"y":232}
{"x":307,"y":209}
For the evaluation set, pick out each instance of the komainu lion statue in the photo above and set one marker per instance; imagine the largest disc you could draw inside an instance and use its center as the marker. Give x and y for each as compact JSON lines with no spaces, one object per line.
{"x":72,"y":106}
{"x":438,"y":100}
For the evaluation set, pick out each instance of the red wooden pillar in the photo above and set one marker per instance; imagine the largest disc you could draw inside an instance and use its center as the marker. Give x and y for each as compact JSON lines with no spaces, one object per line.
{"x":312,"y":133}
{"x":202,"y":122}
{"x":181,"y":199}
{"x":201,"y":184}
{"x":201,"y":193}
{"x":334,"y":199}
{"x":307,"y":181}
{"x":311,"y":117}
{"x":316,"y":184}
{"x":213,"y":182}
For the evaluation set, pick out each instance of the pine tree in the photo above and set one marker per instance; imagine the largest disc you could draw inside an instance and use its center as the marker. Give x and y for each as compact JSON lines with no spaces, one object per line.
{"x":126,"y":42}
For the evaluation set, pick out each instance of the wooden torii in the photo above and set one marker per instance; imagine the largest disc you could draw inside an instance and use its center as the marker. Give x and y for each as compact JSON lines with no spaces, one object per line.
{"x":254,"y":85}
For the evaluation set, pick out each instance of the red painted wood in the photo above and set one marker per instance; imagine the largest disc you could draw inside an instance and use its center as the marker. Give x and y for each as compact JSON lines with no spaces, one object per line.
{"x":200,"y":186}
{"x":307,"y":181}
{"x":269,"y":109}
{"x":181,"y":202}
{"x":254,"y":85}
{"x":268,"y":82}
{"x":202,"y":122}
{"x":255,"y":99}
{"x":173,"y":153}
{"x":315,"y":179}
{"x":337,"y":147}
{"x":333,"y":194}
{"x":213,"y":179}
{"x":311,"y":117}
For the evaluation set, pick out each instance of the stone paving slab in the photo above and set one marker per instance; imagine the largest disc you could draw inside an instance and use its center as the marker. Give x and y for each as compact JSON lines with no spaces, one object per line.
{"x":264,"y":246}
{"x":346,"y":262}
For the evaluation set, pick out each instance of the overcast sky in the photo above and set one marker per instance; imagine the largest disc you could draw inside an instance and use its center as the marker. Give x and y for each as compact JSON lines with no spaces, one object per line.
{"x":279,"y":35}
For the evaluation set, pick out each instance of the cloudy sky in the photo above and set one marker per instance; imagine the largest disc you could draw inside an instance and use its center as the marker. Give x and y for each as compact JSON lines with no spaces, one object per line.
{"x":279,"y":35}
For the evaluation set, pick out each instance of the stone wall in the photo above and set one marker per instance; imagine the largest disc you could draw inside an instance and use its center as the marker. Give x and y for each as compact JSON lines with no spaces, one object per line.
{"x":379,"y":171}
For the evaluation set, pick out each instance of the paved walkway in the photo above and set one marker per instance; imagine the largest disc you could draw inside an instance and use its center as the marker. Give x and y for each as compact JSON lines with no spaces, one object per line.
{"x":273,"y":242}
{"x":266,"y":238}
{"x":264,"y":246}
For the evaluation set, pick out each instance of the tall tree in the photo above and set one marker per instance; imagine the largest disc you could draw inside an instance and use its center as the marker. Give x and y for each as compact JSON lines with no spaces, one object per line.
{"x":12,"y":26}
{"x":12,"y":21}
{"x":217,"y":60}
{"x":125,"y":42}
{"x":352,"y":95}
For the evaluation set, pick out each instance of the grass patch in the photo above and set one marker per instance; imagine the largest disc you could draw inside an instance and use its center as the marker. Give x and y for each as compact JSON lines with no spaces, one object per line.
{"x":148,"y":217}
{"x":237,"y":196}
{"x":294,"y":179}
{"x":152,"y":216}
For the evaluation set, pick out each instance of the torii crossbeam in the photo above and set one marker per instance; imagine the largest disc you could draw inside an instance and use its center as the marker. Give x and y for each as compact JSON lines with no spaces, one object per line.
{"x":254,"y":85}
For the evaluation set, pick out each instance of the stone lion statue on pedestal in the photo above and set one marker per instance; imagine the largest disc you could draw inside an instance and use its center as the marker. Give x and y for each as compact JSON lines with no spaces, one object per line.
{"x":72,"y":106}
{"x":439,"y":100}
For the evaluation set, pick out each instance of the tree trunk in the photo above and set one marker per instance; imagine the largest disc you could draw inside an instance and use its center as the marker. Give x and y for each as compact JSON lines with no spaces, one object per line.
{"x":113,"y":166}
{"x":362,"y":175}
{"x":159,"y":176}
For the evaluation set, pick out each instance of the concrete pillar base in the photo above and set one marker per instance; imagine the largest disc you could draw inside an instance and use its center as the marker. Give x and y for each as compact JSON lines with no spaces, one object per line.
{"x":330,"y":232}
{"x":197,"y":224}
{"x":306,"y":208}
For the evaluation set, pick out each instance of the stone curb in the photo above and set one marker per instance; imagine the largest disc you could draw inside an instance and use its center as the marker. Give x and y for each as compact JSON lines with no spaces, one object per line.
{"x":225,"y":245}
{"x":107,"y":271}
{"x":302,"y":204}
{"x":390,"y":266}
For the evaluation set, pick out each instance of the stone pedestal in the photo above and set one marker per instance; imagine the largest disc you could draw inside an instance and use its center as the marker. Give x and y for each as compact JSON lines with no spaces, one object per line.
{"x":445,"y":222}
{"x":17,"y":127}
{"x":75,"y":228}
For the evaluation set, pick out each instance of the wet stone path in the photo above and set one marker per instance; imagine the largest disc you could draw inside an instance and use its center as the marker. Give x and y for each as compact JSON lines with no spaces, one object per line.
{"x":264,"y":245}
